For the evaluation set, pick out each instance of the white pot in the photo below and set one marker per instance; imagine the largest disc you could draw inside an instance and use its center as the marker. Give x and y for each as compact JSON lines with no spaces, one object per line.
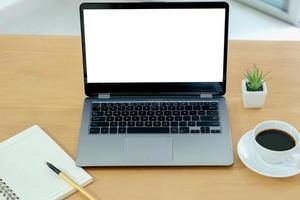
{"x":254,"y":99}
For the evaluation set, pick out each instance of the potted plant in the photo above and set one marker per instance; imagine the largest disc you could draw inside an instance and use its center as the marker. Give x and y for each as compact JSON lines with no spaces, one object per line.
{"x":254,"y":88}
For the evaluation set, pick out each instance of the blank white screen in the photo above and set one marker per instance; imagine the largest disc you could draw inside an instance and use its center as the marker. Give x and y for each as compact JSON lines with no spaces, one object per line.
{"x":154,"y":45}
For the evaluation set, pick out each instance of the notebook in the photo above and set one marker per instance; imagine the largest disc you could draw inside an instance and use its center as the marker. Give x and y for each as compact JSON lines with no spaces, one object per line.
{"x":24,"y":174}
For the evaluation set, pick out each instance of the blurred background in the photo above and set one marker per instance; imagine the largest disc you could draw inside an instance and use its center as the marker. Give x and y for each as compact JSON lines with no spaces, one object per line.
{"x":249,"y":19}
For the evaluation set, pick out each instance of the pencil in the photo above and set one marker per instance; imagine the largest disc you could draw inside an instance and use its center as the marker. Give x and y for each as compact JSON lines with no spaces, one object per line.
{"x":70,"y":181}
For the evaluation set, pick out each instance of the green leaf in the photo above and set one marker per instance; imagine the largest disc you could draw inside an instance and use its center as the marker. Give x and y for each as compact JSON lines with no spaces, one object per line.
{"x":255,"y":78}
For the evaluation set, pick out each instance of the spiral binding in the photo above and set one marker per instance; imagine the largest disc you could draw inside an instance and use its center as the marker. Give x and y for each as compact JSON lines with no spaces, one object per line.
{"x":6,"y":192}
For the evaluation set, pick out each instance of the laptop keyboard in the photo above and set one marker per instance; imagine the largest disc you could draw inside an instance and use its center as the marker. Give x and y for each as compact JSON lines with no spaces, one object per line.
{"x":155,"y":118}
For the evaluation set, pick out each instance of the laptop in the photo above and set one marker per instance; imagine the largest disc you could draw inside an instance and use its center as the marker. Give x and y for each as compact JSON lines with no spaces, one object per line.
{"x":154,"y":77}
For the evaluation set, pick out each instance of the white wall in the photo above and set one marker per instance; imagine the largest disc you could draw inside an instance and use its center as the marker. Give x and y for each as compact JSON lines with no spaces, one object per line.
{"x":61,"y":17}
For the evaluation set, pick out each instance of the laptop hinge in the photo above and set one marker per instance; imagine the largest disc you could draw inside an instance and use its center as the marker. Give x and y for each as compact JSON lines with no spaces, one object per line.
{"x":104,"y":96}
{"x":206,"y":95}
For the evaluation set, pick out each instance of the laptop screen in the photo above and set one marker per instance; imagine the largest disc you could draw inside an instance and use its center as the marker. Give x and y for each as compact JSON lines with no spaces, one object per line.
{"x":154,"y":45}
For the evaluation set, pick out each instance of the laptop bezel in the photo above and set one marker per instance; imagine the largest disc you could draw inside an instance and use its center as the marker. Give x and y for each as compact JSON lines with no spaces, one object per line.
{"x":184,"y":88}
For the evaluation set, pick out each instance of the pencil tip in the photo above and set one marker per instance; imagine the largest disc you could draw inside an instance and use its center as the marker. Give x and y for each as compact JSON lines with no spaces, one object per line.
{"x":53,"y":168}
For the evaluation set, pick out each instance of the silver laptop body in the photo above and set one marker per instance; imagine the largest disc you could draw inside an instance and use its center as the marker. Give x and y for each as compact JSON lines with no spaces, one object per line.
{"x":160,"y":56}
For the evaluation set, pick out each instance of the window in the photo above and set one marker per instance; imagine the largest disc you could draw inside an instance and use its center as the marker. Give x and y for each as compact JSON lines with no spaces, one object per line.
{"x":287,"y":10}
{"x":281,"y":4}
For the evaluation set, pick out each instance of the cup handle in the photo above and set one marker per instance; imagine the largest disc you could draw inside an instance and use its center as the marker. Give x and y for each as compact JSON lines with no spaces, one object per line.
{"x":294,"y":160}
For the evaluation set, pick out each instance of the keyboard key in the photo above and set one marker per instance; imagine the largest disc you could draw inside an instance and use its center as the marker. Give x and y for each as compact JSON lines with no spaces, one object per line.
{"x":165,"y":124}
{"x":95,"y":106}
{"x":148,"y":123}
{"x":116,"y":113}
{"x":144,"y":118}
{"x":174,"y":123}
{"x":171,"y":108}
{"x":212,"y":112}
{"x":174,"y":130}
{"x":208,"y":124}
{"x":133,"y":113}
{"x":182,"y":124}
{"x":161,"y":118}
{"x":179,"y":107}
{"x":158,"y":113}
{"x":130,"y":123}
{"x":167,"y":112}
{"x":97,"y":113}
{"x":137,"y":108}
{"x":163,"y":108}
{"x":124,"y":113}
{"x":175,"y":113}
{"x":122,"y":130}
{"x":205,"y":128}
{"x":188,"y":107}
{"x":113,"y":123}
{"x":169,"y":118}
{"x":104,"y":130}
{"x":95,"y":124}
{"x":201,"y":112}
{"x":150,"y":113}
{"x":205,"y":131}
{"x":121,"y":108}
{"x":184,"y":112}
{"x":153,"y":108}
{"x":152,"y":118}
{"x":214,"y":103}
{"x":135,"y":118}
{"x":113,"y":130}
{"x":209,"y":118}
{"x":209,"y":107}
{"x":195,"y":131}
{"x":156,"y":124}
{"x":98,"y":119}
{"x":94,"y":130}
{"x":178,"y":118}
{"x":109,"y":119}
{"x":136,"y":130}
{"x":104,"y":108}
{"x":108,"y":113}
{"x":207,"y":103}
{"x":183,"y":130}
{"x":122,"y":123}
{"x":139,"y":123}
{"x":127,"y":118}
{"x":195,"y":118}
{"x":112,"y":108}
{"x":215,"y":131}
{"x":196,"y":107}
{"x":129,"y":108}
{"x":103,"y":124}
{"x":119,"y":118}
{"x":191,"y":124}
{"x":186,"y":118}
{"x":193,"y":112}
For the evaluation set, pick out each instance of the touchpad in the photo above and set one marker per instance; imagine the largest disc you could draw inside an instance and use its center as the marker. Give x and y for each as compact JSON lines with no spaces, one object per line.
{"x":148,"y":149}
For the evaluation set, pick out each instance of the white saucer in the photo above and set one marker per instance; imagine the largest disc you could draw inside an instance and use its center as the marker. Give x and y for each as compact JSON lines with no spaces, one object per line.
{"x":253,"y":161}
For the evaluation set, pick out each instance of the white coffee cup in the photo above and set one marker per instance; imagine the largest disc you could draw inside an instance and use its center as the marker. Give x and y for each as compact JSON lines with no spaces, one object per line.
{"x":277,"y":157}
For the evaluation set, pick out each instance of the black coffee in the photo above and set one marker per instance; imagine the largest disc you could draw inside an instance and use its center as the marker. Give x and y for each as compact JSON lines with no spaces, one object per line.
{"x":275,"y":140}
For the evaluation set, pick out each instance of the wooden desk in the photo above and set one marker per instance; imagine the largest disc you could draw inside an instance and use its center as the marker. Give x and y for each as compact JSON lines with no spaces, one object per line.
{"x":41,"y":83}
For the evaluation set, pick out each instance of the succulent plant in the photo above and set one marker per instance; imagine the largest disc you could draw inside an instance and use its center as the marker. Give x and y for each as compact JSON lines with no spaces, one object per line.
{"x":255,"y":78}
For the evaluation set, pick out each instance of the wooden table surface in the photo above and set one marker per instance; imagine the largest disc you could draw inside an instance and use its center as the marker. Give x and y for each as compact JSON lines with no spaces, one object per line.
{"x":41,"y":82}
